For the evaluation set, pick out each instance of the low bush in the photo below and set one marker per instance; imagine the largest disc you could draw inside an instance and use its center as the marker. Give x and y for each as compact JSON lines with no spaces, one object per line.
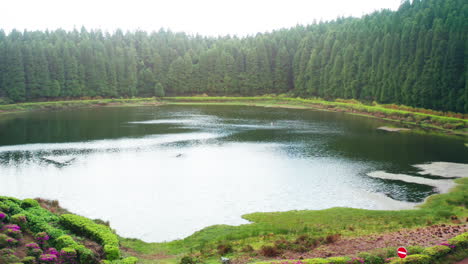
{"x":65,"y":241}
{"x":339,"y":260}
{"x":29,"y":260}
{"x":19,"y":219}
{"x":7,"y":255}
{"x":4,"y":207}
{"x":269,"y":251}
{"x":460,"y":241}
{"x":247,"y":248}
{"x":27,"y":203}
{"x":188,"y":260}
{"x":415,"y":250}
{"x":86,"y":227}
{"x":437,"y":251}
{"x":414,"y":259}
{"x":224,"y":249}
{"x":370,"y":258}
{"x":111,"y":252}
{"x":6,"y":241}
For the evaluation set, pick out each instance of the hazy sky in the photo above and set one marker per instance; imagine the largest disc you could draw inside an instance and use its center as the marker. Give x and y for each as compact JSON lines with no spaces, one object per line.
{"x":207,"y":17}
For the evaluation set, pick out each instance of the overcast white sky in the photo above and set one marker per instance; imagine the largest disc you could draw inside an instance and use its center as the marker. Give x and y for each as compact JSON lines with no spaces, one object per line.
{"x":207,"y":17}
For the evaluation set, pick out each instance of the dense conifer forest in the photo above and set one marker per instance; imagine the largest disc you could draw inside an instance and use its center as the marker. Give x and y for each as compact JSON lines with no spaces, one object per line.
{"x":417,"y":56}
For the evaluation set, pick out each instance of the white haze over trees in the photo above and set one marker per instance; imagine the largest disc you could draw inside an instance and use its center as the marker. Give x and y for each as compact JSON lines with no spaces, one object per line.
{"x":205,"y":17}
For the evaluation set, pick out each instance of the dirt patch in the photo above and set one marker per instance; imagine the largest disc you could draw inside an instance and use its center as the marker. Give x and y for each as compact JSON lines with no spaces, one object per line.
{"x":95,"y":247}
{"x":425,"y":237}
{"x":21,"y":251}
{"x":139,"y":255}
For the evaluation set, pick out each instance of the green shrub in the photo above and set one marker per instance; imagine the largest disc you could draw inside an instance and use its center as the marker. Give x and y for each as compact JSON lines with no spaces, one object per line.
{"x":87,"y":227}
{"x":316,"y":261}
{"x":65,"y":241}
{"x":436,"y":251}
{"x":415,"y":250}
{"x":460,"y":241}
{"x":85,"y":255}
{"x":224,"y":249}
{"x":29,"y":260}
{"x":6,"y":241}
{"x":99,"y":233}
{"x":4,"y":207}
{"x":27,"y":203}
{"x":111,"y":252}
{"x":188,"y":260}
{"x":370,"y":258}
{"x":269,"y":251}
{"x":130,"y":260}
{"x":35,"y":252}
{"x":19,"y":219}
{"x":414,"y":259}
{"x":7,"y":256}
{"x":339,"y":260}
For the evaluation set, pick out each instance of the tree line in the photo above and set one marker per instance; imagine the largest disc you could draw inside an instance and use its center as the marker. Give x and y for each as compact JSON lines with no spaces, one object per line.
{"x":416,"y":55}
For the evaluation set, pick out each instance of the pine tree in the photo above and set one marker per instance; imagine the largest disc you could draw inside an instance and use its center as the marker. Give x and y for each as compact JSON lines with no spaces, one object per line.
{"x":13,"y":80}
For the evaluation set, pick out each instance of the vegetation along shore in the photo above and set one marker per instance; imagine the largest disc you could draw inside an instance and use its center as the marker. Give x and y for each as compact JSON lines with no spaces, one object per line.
{"x":446,"y":122}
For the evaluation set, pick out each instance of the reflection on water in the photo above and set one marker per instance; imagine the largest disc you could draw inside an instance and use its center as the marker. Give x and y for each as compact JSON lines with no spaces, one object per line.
{"x":177,"y":169}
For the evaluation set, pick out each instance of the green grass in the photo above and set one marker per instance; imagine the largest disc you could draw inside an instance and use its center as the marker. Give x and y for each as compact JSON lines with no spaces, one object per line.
{"x":56,"y":105}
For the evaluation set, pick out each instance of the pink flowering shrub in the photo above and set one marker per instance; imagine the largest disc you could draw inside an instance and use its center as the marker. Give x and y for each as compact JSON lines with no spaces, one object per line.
{"x":42,"y":237}
{"x":12,"y":231}
{"x":47,"y":258}
{"x":6,"y":241}
{"x":2,"y":216}
{"x":33,"y":249}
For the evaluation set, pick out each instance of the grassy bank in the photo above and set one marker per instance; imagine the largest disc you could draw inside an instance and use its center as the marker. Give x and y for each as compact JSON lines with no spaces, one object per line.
{"x":453,"y":123}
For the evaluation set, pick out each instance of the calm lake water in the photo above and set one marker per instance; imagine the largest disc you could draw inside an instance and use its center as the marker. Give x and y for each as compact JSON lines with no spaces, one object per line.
{"x":162,"y":173}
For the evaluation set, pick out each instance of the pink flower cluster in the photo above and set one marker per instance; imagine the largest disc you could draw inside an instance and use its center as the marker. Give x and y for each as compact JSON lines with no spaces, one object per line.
{"x":2,"y":215}
{"x":51,"y":255}
{"x":32,"y":245}
{"x":48,"y":258}
{"x":11,"y":228}
{"x":52,"y":251}
{"x":447,"y":245}
{"x":42,"y":237}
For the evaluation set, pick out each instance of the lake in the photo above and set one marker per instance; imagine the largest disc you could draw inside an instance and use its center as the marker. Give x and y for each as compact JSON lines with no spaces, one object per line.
{"x":162,"y":173}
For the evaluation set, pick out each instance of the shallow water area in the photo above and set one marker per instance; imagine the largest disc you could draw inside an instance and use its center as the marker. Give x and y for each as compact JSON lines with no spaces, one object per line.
{"x":162,"y":173}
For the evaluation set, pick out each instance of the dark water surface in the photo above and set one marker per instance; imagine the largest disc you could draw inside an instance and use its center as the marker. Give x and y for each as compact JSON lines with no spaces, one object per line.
{"x":161,"y":173}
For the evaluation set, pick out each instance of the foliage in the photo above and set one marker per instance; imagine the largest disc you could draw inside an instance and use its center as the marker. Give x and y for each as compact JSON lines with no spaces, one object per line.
{"x":436,"y":251}
{"x":460,"y":241}
{"x":27,"y":203}
{"x":112,"y":252}
{"x":411,"y":56}
{"x":414,"y":259}
{"x":82,"y":225}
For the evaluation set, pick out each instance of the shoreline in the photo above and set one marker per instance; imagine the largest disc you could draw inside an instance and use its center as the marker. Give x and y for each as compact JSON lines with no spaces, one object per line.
{"x":422,"y":120}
